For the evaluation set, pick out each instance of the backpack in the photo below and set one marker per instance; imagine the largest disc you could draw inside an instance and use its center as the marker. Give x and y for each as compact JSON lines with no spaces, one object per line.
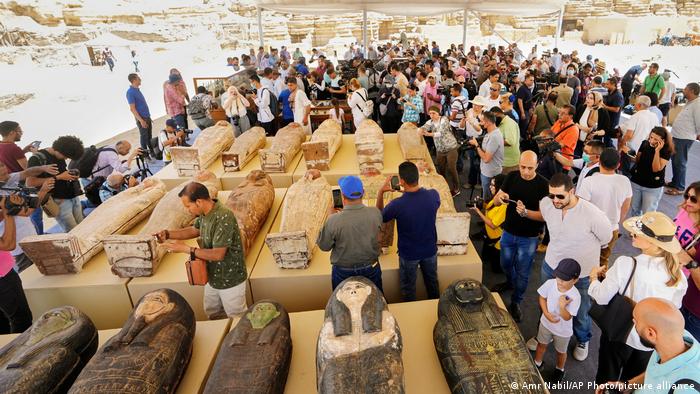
{"x":196,"y":108}
{"x":274,"y":104}
{"x":155,"y":148}
{"x":88,"y":160}
{"x":368,"y":108}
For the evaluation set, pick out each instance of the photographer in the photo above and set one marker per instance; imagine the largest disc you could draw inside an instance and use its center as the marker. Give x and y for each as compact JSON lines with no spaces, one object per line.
{"x":265,"y":116}
{"x":115,"y":184}
{"x":493,"y":217}
{"x":16,"y":316}
{"x":561,"y":137}
{"x":490,"y":151}
{"x":352,"y":236}
{"x":236,"y":107}
{"x":168,"y":138}
{"x":108,"y":158}
{"x":447,"y":147}
{"x":23,"y":224}
{"x":64,"y":202}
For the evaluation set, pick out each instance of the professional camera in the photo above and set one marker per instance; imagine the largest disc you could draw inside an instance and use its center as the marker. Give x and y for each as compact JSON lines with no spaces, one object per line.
{"x":29,"y":196}
{"x":547,"y":145}
{"x":476,"y":202}
{"x":465,"y":145}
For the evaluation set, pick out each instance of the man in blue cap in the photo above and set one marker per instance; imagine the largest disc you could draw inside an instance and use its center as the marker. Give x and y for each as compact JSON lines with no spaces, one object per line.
{"x":352,"y":236}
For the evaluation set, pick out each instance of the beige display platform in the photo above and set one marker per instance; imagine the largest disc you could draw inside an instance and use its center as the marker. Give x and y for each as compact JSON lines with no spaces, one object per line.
{"x":230,"y":180}
{"x":207,"y":339}
{"x":97,"y":292}
{"x":171,"y":179}
{"x":308,"y":289}
{"x":422,"y":371}
{"x":171,"y":271}
{"x":345,"y":160}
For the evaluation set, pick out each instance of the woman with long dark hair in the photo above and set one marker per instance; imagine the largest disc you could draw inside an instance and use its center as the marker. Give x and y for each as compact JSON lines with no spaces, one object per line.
{"x":648,"y":172}
{"x":688,"y":233}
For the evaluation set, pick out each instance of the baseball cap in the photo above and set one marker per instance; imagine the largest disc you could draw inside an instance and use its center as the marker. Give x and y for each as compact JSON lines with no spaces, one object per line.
{"x":171,"y":123}
{"x":351,"y":187}
{"x":567,"y":269}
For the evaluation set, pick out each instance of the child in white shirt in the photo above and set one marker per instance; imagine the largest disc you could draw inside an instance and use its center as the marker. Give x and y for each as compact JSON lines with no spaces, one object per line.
{"x":559,"y":301}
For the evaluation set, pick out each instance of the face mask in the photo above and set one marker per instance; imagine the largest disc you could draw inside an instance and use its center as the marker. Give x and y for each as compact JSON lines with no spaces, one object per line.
{"x":570,"y":72}
{"x":586,"y":158}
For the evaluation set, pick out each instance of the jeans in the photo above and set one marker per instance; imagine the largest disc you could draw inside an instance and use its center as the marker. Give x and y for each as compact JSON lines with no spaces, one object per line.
{"x":645,"y":199}
{"x":70,"y":213}
{"x":582,"y":320}
{"x":692,"y":323}
{"x":38,"y":220}
{"x":679,"y":162}
{"x":485,"y":189}
{"x":373,"y":273}
{"x":407,"y":277}
{"x":15,"y":315}
{"x":145,"y":134}
{"x":447,"y":167}
{"x":517,"y":255}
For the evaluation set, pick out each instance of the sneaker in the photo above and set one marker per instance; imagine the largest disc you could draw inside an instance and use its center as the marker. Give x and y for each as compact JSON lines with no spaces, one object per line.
{"x":501,"y":287}
{"x":515,"y":311}
{"x":456,"y":193}
{"x":532,"y":344}
{"x":581,"y":351}
{"x":558,"y":375}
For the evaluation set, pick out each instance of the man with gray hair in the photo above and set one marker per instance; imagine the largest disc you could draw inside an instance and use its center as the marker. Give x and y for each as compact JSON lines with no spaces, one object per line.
{"x":638,"y":127}
{"x":686,"y":129}
{"x":109,"y":161}
{"x":115,"y":184}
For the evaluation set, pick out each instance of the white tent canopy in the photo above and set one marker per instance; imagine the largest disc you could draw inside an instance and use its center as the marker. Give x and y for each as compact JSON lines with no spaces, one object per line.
{"x":414,"y":7}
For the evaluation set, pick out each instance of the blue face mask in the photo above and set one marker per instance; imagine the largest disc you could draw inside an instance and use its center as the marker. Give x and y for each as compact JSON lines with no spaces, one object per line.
{"x":586,"y":158}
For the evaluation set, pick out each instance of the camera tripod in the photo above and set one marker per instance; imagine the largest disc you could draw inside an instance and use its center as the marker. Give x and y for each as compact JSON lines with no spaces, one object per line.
{"x":143,"y":171}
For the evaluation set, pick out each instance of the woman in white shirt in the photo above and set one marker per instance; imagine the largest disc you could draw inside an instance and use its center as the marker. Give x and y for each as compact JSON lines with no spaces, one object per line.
{"x":236,"y":107}
{"x":357,"y":102}
{"x":658,"y":274}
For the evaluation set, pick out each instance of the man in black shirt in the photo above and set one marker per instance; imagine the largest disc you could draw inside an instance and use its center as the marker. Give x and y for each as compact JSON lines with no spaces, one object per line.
{"x":66,"y":190}
{"x":520,"y":234}
{"x":613,"y":102}
{"x":524,"y":102}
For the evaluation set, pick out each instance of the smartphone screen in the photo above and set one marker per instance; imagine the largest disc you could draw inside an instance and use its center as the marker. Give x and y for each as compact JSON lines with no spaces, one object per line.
{"x":337,"y":199}
{"x":36,"y":144}
{"x":395,"y":182}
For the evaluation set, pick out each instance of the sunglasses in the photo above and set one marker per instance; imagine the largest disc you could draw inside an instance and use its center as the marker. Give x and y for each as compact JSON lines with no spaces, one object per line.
{"x":557,"y":196}
{"x":693,"y":199}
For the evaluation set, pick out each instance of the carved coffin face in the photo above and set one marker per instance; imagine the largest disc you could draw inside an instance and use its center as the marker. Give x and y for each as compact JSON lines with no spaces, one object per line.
{"x":153,"y":305}
{"x":50,"y":322}
{"x":353,"y":294}
{"x":468,"y":292}
{"x":263,"y":313}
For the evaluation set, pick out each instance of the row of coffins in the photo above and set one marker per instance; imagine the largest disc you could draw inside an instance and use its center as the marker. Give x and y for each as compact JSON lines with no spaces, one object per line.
{"x":359,"y":347}
{"x":304,"y":210}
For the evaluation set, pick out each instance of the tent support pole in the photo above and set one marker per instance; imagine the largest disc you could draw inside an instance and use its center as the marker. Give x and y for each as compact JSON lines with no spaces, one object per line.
{"x":260,"y":27}
{"x":364,"y":33}
{"x":560,"y":21}
{"x":464,"y":31}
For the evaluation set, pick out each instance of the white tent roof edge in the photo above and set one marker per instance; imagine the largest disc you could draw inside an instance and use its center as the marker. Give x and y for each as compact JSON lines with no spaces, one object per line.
{"x":413,"y":7}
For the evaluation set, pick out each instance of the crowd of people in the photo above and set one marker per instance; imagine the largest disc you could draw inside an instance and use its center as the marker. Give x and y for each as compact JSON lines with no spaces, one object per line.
{"x":561,"y":160}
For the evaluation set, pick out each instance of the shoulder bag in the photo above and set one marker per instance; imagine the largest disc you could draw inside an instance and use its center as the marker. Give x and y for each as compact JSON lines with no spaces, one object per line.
{"x":615,"y":318}
{"x":196,"y":272}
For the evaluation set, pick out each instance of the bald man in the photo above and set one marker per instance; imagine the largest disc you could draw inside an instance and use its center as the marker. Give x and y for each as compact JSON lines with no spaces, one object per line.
{"x":521,"y":228}
{"x":676,"y":356}
{"x":115,"y":184}
{"x":109,"y":159}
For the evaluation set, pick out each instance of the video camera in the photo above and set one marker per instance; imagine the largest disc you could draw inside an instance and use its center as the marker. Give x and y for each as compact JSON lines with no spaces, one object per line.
{"x":29,"y":196}
{"x":465,"y":145}
{"x":547,"y":145}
